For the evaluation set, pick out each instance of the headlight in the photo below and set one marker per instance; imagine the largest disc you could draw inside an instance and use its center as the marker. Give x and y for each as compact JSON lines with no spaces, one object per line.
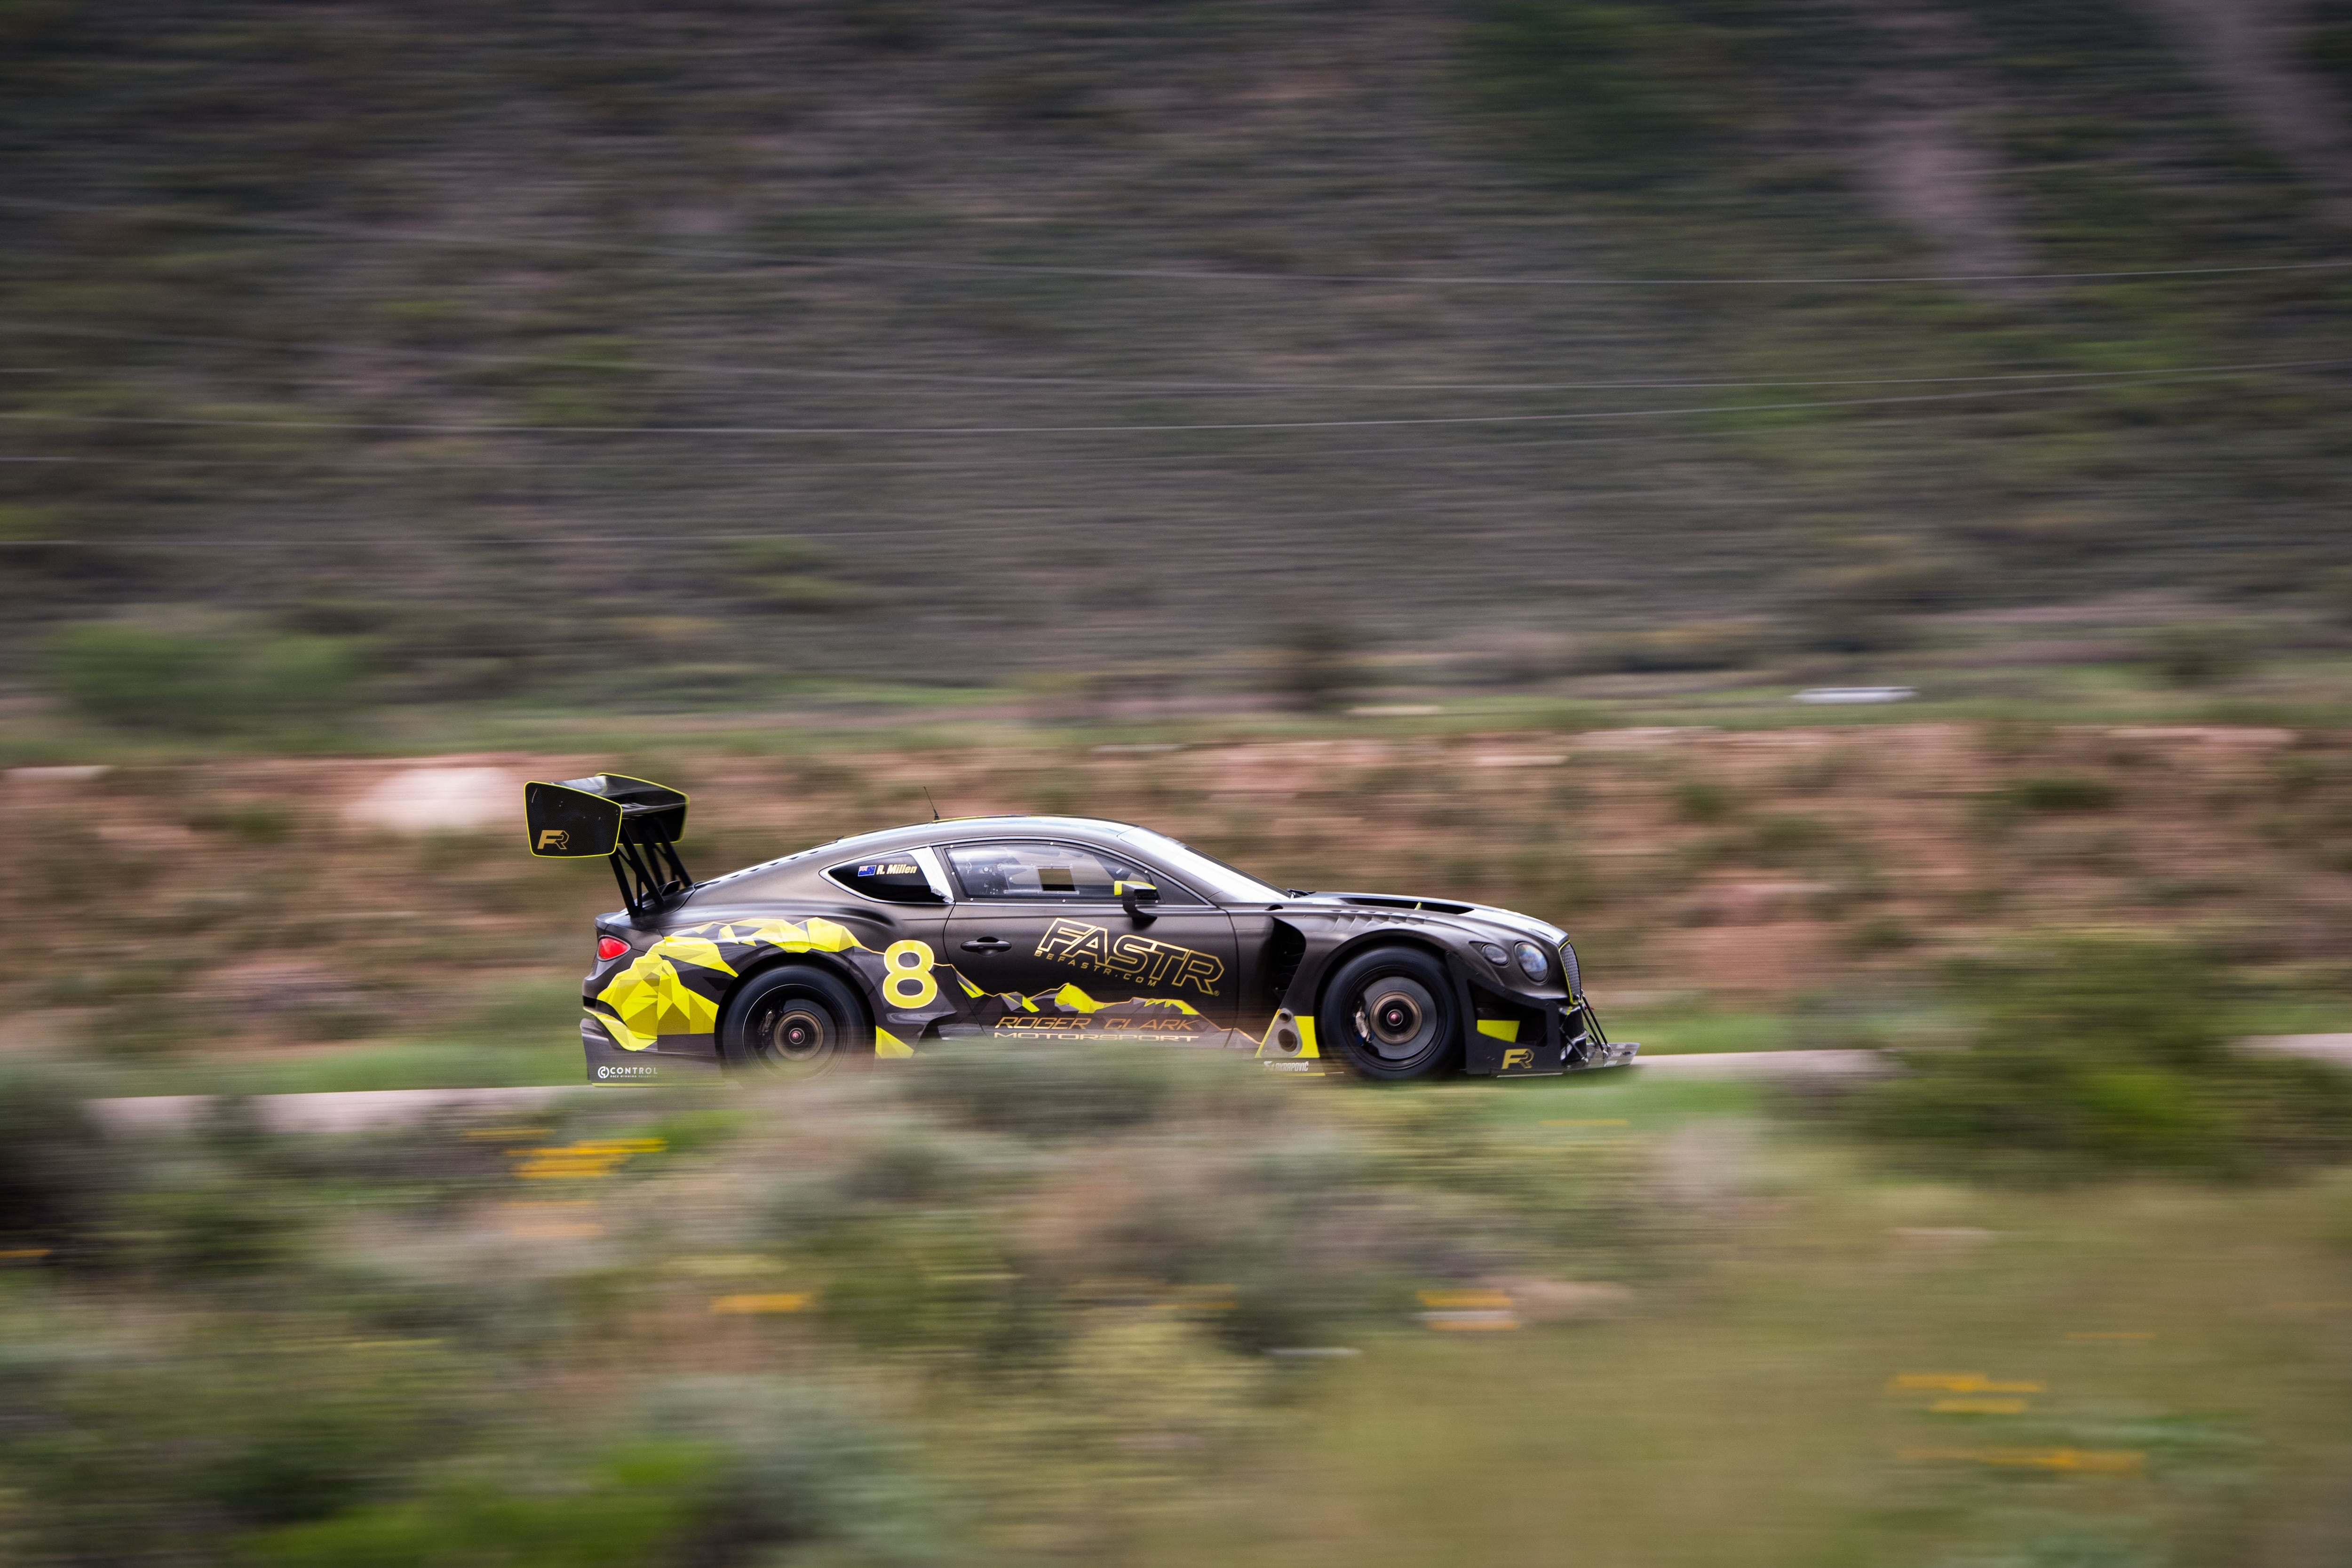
{"x":1491,"y":954}
{"x":1532,"y":962}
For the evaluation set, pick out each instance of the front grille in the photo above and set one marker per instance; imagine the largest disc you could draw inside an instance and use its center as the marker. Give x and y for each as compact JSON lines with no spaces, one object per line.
{"x":1568,"y":967}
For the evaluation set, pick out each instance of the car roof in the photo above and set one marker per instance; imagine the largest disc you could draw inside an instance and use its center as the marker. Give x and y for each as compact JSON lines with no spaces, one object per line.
{"x":967,"y":827}
{"x":964,"y":829}
{"x":948,"y":830}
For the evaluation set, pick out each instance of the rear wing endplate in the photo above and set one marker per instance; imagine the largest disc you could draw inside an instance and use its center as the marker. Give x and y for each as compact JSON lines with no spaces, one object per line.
{"x":635,"y":823}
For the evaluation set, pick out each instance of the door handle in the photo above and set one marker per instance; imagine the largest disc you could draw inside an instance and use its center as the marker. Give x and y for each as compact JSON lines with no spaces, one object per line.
{"x":987,"y":944}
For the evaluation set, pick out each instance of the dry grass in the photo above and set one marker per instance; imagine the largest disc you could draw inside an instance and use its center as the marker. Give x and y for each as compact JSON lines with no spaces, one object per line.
{"x":230,"y":907}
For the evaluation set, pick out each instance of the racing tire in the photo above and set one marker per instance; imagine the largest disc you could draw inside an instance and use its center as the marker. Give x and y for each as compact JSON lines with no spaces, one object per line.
{"x":1391,"y":1014}
{"x":798,"y":1019}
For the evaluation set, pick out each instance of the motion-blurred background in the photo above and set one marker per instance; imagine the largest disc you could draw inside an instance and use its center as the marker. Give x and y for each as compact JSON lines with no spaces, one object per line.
{"x":1440,"y":448}
{"x":401,"y":356}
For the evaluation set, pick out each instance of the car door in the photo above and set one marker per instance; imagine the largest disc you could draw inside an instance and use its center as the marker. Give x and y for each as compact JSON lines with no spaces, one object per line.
{"x":1039,"y":920}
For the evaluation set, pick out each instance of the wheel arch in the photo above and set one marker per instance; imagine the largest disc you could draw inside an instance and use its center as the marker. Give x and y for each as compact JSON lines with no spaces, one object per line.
{"x":1340,"y":957}
{"x":830,"y":963}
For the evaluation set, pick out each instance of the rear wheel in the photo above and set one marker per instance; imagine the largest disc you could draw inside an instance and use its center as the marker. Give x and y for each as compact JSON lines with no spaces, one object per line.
{"x":1391,"y":1013}
{"x":798,"y":1019}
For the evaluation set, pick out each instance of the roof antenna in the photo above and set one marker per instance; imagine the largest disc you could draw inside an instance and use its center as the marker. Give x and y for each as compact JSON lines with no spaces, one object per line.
{"x":929,"y":802}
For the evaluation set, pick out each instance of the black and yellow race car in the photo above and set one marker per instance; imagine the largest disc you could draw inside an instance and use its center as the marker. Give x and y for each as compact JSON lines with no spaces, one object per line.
{"x":1013,"y":927}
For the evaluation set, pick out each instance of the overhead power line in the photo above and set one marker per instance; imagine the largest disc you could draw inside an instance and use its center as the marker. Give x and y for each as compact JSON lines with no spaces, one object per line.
{"x":805,"y":261}
{"x":1227,"y":427}
{"x":1155,"y":387}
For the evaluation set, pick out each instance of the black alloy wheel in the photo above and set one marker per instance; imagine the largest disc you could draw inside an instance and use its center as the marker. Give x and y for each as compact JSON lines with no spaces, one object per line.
{"x":798,"y":1019}
{"x":1391,"y":1014}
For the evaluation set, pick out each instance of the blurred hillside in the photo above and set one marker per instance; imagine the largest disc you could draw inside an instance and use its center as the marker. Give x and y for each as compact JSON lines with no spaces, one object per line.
{"x":356,"y":353}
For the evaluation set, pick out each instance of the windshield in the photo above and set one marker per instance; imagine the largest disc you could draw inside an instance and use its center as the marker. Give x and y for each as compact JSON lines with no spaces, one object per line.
{"x":1228,"y":885}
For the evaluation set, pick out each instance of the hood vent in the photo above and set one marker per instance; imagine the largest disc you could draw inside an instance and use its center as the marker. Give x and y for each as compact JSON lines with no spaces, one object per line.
{"x":1427,"y":905}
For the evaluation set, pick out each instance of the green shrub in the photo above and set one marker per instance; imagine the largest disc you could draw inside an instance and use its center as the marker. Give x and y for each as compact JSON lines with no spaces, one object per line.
{"x":621,"y":1515}
{"x":1790,"y":838}
{"x":295,"y":1459}
{"x":255,"y":821}
{"x":221,"y":1229}
{"x":776,"y":553}
{"x":165,"y":1452}
{"x":2329,"y":47}
{"x":787,"y":1465}
{"x":143,"y":679}
{"x":888,"y":26}
{"x":1044,"y":1091}
{"x":2196,"y":656}
{"x":933,"y":1282}
{"x":2334,"y":588}
{"x":1828,"y":624}
{"x":1255,"y":1243}
{"x":2061,"y":793}
{"x":336,"y":609}
{"x":55,"y":1173}
{"x":2066,"y":532}
{"x":2105,"y":1052}
{"x":225,"y":682}
{"x":1698,"y":800}
{"x":1687,"y":646}
{"x":1037,"y":94}
{"x":1313,"y":668}
{"x":805,"y":596}
{"x":1601,"y":93}
{"x":1883,"y":934}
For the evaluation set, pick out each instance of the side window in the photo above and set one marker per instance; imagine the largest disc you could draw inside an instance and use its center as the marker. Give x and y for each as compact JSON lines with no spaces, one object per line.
{"x":894,"y":880}
{"x":1051,"y":873}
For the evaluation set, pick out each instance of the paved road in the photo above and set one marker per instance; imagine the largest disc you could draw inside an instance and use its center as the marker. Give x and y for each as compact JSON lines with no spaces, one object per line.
{"x":346,"y":1111}
{"x":1767,"y":1064}
{"x":364,"y":1110}
{"x":360,"y":1111}
{"x":2332,"y":1048}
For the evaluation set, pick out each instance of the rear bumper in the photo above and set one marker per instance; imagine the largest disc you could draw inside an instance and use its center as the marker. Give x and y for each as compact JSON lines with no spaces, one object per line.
{"x":608,"y":1063}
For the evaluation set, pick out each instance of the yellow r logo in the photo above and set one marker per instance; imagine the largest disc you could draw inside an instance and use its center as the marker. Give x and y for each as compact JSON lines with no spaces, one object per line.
{"x":554,"y":838}
{"x":1518,"y":1056}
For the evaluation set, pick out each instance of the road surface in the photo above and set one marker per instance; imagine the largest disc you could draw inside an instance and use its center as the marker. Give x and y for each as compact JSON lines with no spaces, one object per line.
{"x":365,"y":1110}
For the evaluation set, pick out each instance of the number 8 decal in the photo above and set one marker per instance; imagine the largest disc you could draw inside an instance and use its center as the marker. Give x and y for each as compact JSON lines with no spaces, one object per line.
{"x":909,"y":965}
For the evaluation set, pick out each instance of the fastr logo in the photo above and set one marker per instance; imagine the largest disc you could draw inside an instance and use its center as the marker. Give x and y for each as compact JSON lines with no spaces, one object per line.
{"x":1136,"y":959}
{"x":554,"y":838}
{"x":1518,"y":1056}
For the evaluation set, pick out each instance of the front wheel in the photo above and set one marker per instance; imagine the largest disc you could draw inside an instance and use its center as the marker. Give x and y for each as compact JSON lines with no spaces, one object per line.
{"x":798,"y":1019}
{"x":1391,"y":1013}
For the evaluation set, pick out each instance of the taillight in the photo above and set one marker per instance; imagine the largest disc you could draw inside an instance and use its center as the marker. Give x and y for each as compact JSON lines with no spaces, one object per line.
{"x":610,"y":948}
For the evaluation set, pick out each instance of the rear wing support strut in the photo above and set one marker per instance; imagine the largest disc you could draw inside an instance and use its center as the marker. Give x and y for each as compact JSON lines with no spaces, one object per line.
{"x":634,"y":823}
{"x":651,"y":876}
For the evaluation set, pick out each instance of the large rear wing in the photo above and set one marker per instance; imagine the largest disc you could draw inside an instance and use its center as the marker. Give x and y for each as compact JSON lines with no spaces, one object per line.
{"x":635,"y":823}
